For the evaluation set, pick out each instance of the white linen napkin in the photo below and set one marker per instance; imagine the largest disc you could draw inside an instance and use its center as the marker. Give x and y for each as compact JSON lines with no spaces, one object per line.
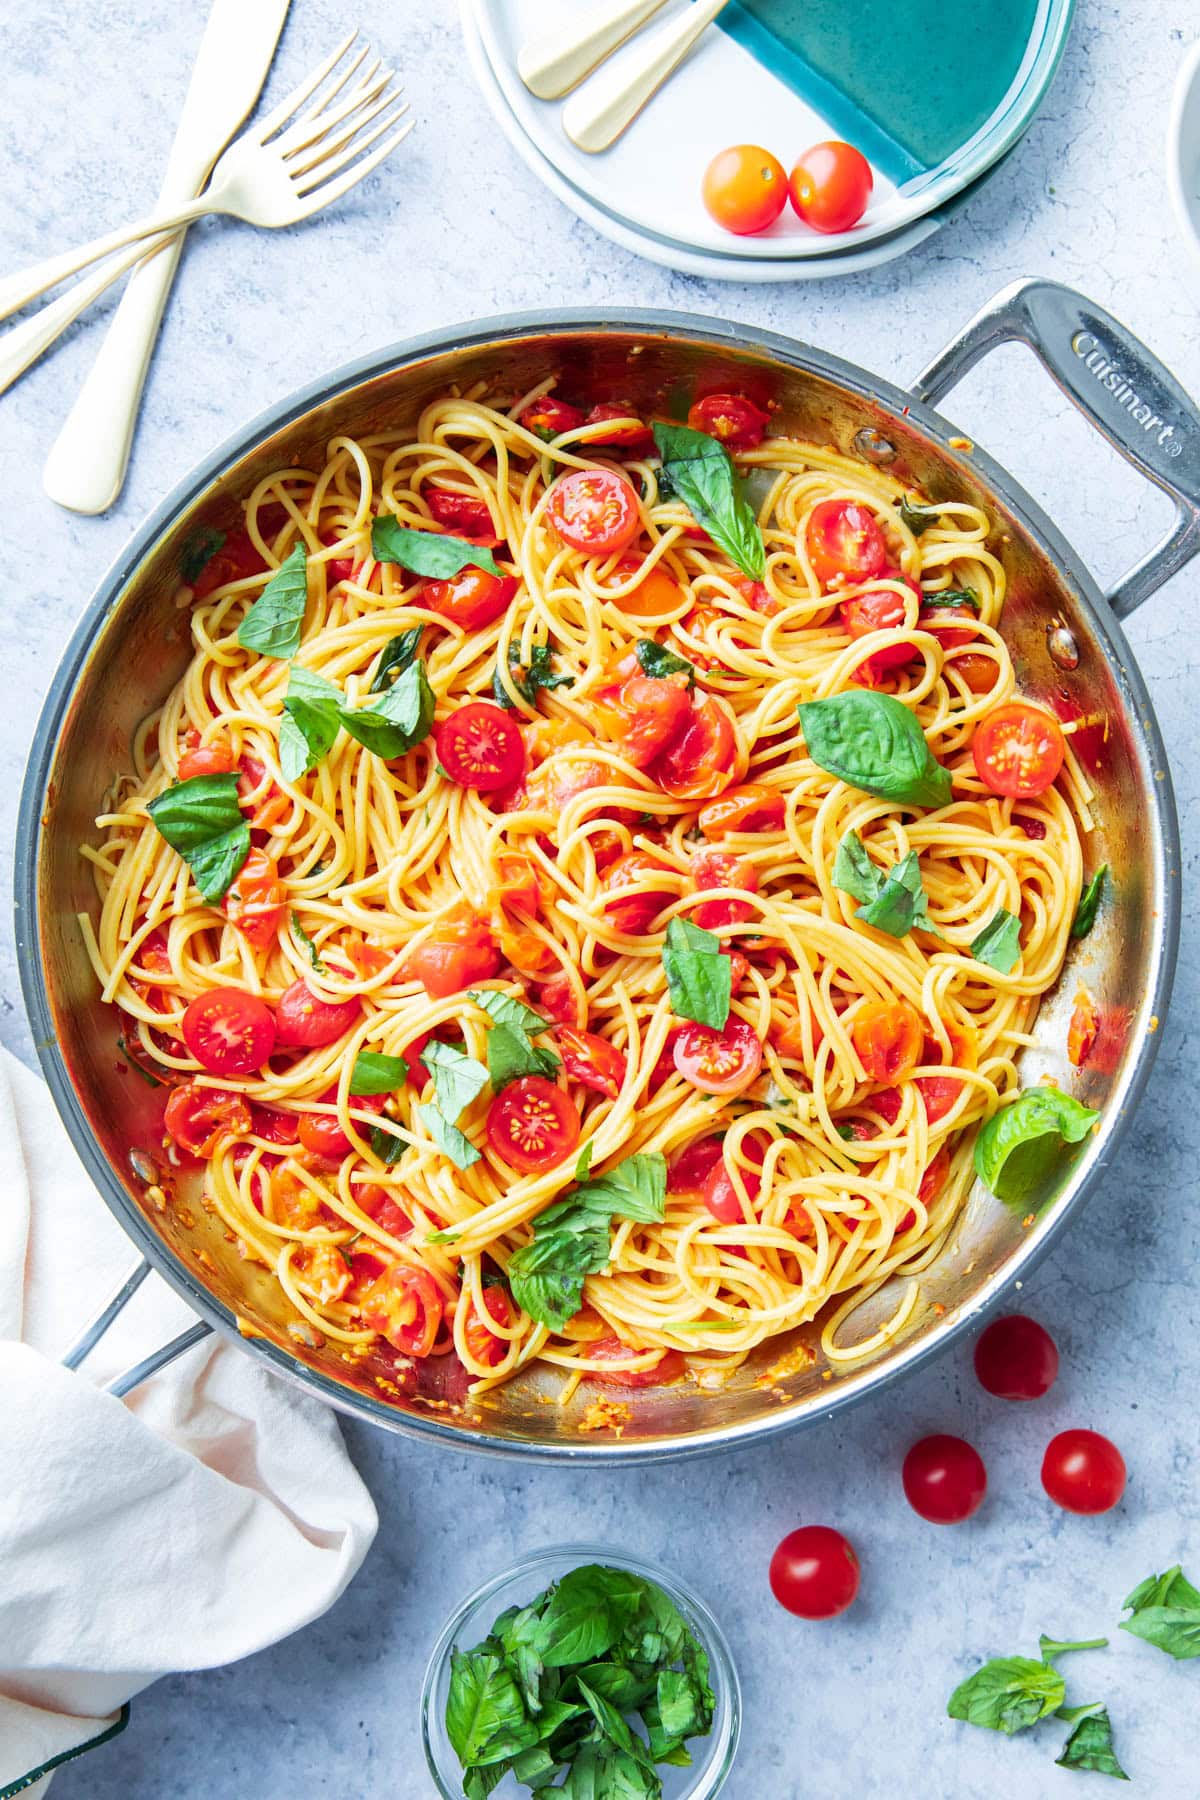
{"x":208,"y":1514}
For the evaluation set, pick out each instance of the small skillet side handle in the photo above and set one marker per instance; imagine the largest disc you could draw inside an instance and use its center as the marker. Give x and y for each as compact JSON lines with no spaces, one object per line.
{"x":1118,"y":386}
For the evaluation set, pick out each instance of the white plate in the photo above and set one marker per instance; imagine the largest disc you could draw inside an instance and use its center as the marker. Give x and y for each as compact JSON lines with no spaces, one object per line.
{"x":1183,"y":150}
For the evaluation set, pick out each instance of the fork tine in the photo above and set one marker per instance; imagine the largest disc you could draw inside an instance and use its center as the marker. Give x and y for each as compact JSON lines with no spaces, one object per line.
{"x":326,"y":99}
{"x":318,"y":125}
{"x":293,"y":101}
{"x":352,"y":144}
{"x":326,"y":192}
{"x":305,"y":156}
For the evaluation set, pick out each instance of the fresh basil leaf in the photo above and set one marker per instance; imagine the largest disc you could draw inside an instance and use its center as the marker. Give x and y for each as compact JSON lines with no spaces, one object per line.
{"x":917,"y":518}
{"x":546,"y":1276}
{"x":1090,"y":1747}
{"x":201,"y":819}
{"x":313,"y":708}
{"x":953,"y":600}
{"x":510,"y":1055}
{"x":656,"y":660}
{"x":627,"y":1685}
{"x":701,"y":472}
{"x":426,"y":552}
{"x":275,"y":622}
{"x":900,"y":905}
{"x":999,"y":943}
{"x":1166,"y":1613}
{"x":586,"y":1613}
{"x":398,"y":654}
{"x":699,"y":976}
{"x":1052,"y":1647}
{"x":387,"y":1146}
{"x":479,"y":1783}
{"x":449,"y":1139}
{"x":635,"y":1188}
{"x":457,"y":1078}
{"x":1009,"y":1694}
{"x":854,"y":872}
{"x":1019,"y":1145}
{"x":584,"y":1161}
{"x":612,"y":1726}
{"x":486,"y":1720}
{"x":306,"y":943}
{"x":679,"y":1704}
{"x":376,"y":1074}
{"x":528,"y":678}
{"x":199,"y":551}
{"x":506,"y":1010}
{"x":602,"y":1772}
{"x":1089,"y":903}
{"x":873,"y":742}
{"x":1171,"y":1589}
{"x":401,"y":719}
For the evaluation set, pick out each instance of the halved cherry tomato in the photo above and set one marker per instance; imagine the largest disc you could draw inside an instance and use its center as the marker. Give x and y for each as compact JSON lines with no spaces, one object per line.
{"x":532,"y":1125}
{"x":277,"y":1127}
{"x":732,"y":419}
{"x":815,"y":1572}
{"x":952,"y":626}
{"x":406,"y":1306}
{"x":1081,"y":1035}
{"x":693,"y":1165}
{"x":304,"y":1022}
{"x":453,"y":956}
{"x":633,"y":916}
{"x":1083,"y":1472}
{"x":383,"y":1208}
{"x":197,"y":1117}
{"x":268,"y":803}
{"x":557,"y":997}
{"x":322,"y":1132}
{"x":519,"y":883}
{"x":753,"y":807}
{"x":480,"y":746}
{"x":549,"y":417}
{"x":720,"y":1195}
{"x":944,"y":1479}
{"x":592,"y":1060}
{"x":719,"y":1062}
{"x":1016,"y":1358}
{"x":483,"y":1344}
{"x":561,"y":779}
{"x":466,"y":514}
{"x":669,"y":1367}
{"x":978,"y":672}
{"x":595,"y":510}
{"x":365,"y":957}
{"x":844,"y":543}
{"x":628,"y":434}
{"x":656,"y":709}
{"x":881,"y":610}
{"x":744,"y":189}
{"x":206,"y":759}
{"x":234,"y":561}
{"x":932,"y":1182}
{"x":229,"y":1032}
{"x":154,"y":952}
{"x":830,"y":186}
{"x":721,"y":869}
{"x":1018,"y":749}
{"x":699,"y":762}
{"x":472,"y":598}
{"x":256,"y":901}
{"x":887,"y":1104}
{"x":654,"y":594}
{"x":887,"y":1035}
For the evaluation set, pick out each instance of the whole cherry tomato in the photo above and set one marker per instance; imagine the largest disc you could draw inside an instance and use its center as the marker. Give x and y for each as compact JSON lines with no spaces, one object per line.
{"x":815,"y":1572}
{"x":472,"y":598}
{"x":830,"y":186}
{"x":744,"y":189}
{"x":1016,"y":1358}
{"x":944,"y":1479}
{"x":303,"y":1021}
{"x":1083,"y":1472}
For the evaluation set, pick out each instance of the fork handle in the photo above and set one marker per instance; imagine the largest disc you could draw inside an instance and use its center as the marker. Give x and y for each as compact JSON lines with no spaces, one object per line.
{"x":596,"y":117}
{"x":22,"y":344}
{"x":552,"y":64}
{"x":18,"y":290}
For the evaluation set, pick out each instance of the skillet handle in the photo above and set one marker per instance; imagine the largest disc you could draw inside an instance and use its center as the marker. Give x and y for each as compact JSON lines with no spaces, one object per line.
{"x":158,"y":1359}
{"x":1116,"y":383}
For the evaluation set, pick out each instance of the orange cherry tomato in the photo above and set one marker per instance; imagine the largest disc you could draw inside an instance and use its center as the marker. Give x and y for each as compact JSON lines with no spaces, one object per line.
{"x":753,"y":807}
{"x":732,"y":419}
{"x":669,"y":1367}
{"x":454,"y":955}
{"x":744,"y":189}
{"x":978,"y":672}
{"x":654,"y":595}
{"x":519,"y":883}
{"x":830,"y":186}
{"x":758,"y":595}
{"x":256,"y":901}
{"x":888,"y":1035}
{"x":699,"y":763}
{"x":480,"y":746}
{"x":383,"y":1208}
{"x":592,"y":1060}
{"x":719,"y":1062}
{"x":198,"y":1117}
{"x":467,"y":514}
{"x":154,"y":952}
{"x":483,"y":1344}
{"x":472,"y":598}
{"x":844,"y":543}
{"x":633,"y":916}
{"x":628,"y":432}
{"x":655,"y":710}
{"x":549,"y":417}
{"x":406,"y":1307}
{"x":722,"y":869}
{"x":595,"y":510}
{"x":938,"y":1094}
{"x":527,"y":952}
{"x":532,"y":1124}
{"x":215,"y":758}
{"x":701,"y":623}
{"x":1081,"y":1035}
{"x":1018,"y":749}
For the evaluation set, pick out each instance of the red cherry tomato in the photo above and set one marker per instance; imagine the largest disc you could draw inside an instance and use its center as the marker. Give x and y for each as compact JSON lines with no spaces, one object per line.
{"x":735,"y":421}
{"x":815,"y":1572}
{"x":632,"y":917}
{"x":480,"y":746}
{"x":229,"y":1032}
{"x":466,"y":514}
{"x":256,"y":901}
{"x":722,"y":869}
{"x":197,"y":1117}
{"x":1018,"y":749}
{"x":268,"y":803}
{"x":595,"y":510}
{"x":406,"y":1307}
{"x":276,"y":1127}
{"x":719,"y":1062}
{"x":887,"y":1035}
{"x":472,"y":598}
{"x":592,"y":1060}
{"x":549,"y":417}
{"x":830,"y":186}
{"x":692,"y":1167}
{"x":234,"y":561}
{"x":952,"y":626}
{"x":1016,"y":1358}
{"x":753,"y":807}
{"x":938,"y":1093}
{"x":1083,"y":1472}
{"x":628,"y":432}
{"x":844,"y":543}
{"x":322,"y":1132}
{"x":304,"y":1022}
{"x":1083,"y":1029}
{"x":654,"y":710}
{"x":483,"y":1344}
{"x":382,"y":1207}
{"x":206,"y":759}
{"x":533,"y":1124}
{"x":669,"y":1367}
{"x":882,"y":610}
{"x":453,"y":957}
{"x":944,"y":1479}
{"x":698,"y":763}
{"x":744,"y":189}
{"x":720,"y":1195}
{"x":556,"y":998}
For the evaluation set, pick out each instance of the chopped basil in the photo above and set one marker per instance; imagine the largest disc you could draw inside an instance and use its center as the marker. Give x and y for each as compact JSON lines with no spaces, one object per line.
{"x":917,"y":518}
{"x":999,"y":943}
{"x":202,"y":820}
{"x":1090,"y":1746}
{"x":199,"y":551}
{"x":303,"y":939}
{"x":452,"y":1142}
{"x":700,"y":470}
{"x":376,"y":1074}
{"x":398,"y":654}
{"x":401,"y":719}
{"x":1166,"y":1613}
{"x":1089,"y":903}
{"x":699,"y":975}
{"x":1019,"y":1145}
{"x":953,"y":600}
{"x":894,"y":903}
{"x":854,"y":872}
{"x":427,"y":553}
{"x":506,"y":1010}
{"x":573,"y":1238}
{"x":655,"y":659}
{"x":457,"y":1078}
{"x":528,"y":678}
{"x":584,"y":1161}
{"x":312,"y":717}
{"x":486,"y":1720}
{"x":1008,"y":1694}
{"x":873,"y":742}
{"x":510,"y":1055}
{"x":387,"y":1146}
{"x":275,"y":622}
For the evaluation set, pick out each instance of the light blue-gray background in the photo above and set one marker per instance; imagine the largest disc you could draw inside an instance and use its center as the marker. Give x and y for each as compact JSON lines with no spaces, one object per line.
{"x":457,"y":228}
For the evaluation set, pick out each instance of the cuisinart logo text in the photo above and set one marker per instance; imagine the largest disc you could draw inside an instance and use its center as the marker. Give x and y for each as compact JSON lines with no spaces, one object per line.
{"x":1094,"y":358}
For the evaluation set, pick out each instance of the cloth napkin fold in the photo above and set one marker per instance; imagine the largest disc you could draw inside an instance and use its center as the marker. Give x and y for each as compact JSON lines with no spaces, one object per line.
{"x":208,"y":1514}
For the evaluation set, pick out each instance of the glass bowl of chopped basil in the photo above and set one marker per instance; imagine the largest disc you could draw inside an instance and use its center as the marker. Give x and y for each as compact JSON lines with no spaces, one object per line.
{"x":581,"y":1670}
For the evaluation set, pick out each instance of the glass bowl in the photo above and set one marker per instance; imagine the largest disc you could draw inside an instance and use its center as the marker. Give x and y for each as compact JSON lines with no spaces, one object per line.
{"x":516,"y":1586}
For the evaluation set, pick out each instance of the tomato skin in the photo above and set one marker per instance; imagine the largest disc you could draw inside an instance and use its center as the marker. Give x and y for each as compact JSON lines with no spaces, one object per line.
{"x":695,"y":1162}
{"x":887,"y":1035}
{"x":830,"y":186}
{"x":720,"y":1195}
{"x":518,"y":885}
{"x":669,"y":1367}
{"x":276,"y":1127}
{"x":932,"y":1182}
{"x":322,"y":1134}
{"x":656,"y":709}
{"x":532,"y":1124}
{"x":1083,"y":1472}
{"x":304,"y":1022}
{"x":944,"y":1479}
{"x":938,"y":1094}
{"x":815,"y":1573}
{"x":465,"y":514}
{"x":206,"y":759}
{"x":472,"y":598}
{"x":595,"y":511}
{"x":480,"y":746}
{"x":952,"y":626}
{"x":633,"y":917}
{"x":1016,"y":1358}
{"x":453,"y":957}
{"x":549,"y":417}
{"x":484,"y":1346}
{"x":744,"y":189}
{"x":719,"y":1062}
{"x":881,"y":610}
{"x":978,"y":672}
{"x":628,"y":433}
{"x":256,"y":901}
{"x":381,"y":1206}
{"x":1018,"y":750}
{"x":654,"y":594}
{"x":272,"y":804}
{"x":592,"y":1060}
{"x":557,"y":997}
{"x":698,"y":763}
{"x":844,"y":543}
{"x":718,"y":869}
{"x":732,"y":419}
{"x":229,"y":1032}
{"x":234,"y":561}
{"x":405,"y":1306}
{"x":197,"y":1117}
{"x":752,"y":807}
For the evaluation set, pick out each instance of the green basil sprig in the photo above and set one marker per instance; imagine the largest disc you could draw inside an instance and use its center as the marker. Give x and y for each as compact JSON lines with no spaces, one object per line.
{"x":656,"y":660}
{"x":528,"y":678}
{"x":917,"y":518}
{"x":377,"y":1074}
{"x":398,"y":654}
{"x":1166,"y":1613}
{"x":573,"y":1238}
{"x":999,"y":943}
{"x":701,"y":471}
{"x":511,"y":1056}
{"x":428,"y":553}
{"x":1089,"y":903}
{"x":202,"y":820}
{"x":699,"y":975}
{"x":895,"y":902}
{"x":873,"y":742}
{"x":1019,"y":1145}
{"x":1090,"y":1745}
{"x":275,"y":622}
{"x":314,"y":711}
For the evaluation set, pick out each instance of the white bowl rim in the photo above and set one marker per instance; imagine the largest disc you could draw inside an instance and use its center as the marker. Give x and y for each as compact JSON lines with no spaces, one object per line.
{"x":1186,"y":96}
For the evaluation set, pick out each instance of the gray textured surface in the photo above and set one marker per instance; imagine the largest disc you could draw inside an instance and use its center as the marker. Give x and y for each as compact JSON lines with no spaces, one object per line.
{"x":459,"y":228}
